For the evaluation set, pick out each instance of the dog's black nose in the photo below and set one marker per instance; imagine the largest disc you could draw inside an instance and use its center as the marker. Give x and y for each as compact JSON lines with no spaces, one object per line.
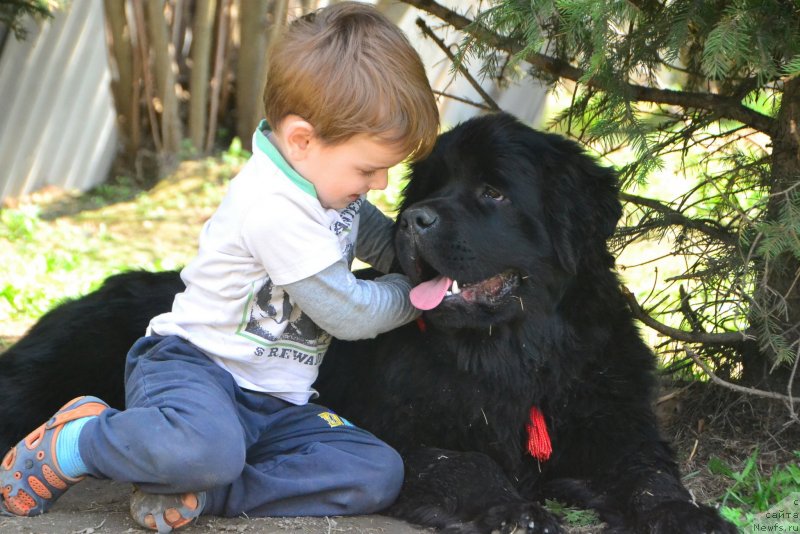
{"x":419,"y":219}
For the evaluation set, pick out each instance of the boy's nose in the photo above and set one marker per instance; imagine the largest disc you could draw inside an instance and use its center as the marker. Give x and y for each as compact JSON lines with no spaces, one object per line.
{"x":380,"y":180}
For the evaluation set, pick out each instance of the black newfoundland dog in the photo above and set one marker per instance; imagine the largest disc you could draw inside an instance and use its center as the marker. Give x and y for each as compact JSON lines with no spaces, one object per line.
{"x":526,"y":379}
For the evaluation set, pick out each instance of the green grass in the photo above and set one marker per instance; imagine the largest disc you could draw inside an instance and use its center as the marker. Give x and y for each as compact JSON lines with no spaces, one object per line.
{"x":572,"y":516}
{"x":57,"y":246}
{"x":752,"y":492}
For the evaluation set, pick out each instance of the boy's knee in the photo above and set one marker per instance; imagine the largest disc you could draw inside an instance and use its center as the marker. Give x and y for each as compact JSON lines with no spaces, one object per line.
{"x":379,"y":484}
{"x":202,"y":462}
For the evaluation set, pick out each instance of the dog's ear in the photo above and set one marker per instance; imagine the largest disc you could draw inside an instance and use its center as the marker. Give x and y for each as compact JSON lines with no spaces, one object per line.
{"x":582,"y":208}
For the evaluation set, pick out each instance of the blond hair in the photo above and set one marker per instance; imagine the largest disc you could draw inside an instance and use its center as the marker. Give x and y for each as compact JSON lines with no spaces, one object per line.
{"x":347,"y":70}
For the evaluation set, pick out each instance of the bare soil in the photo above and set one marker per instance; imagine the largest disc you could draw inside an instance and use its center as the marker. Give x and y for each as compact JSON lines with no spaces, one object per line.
{"x":101,"y":506}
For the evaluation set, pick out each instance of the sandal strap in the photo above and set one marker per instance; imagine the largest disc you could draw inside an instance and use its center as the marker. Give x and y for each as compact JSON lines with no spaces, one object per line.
{"x":161,"y":524}
{"x":84,"y":410}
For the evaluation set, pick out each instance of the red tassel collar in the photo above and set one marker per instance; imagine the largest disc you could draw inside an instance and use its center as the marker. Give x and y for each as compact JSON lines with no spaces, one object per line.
{"x":539,"y":445}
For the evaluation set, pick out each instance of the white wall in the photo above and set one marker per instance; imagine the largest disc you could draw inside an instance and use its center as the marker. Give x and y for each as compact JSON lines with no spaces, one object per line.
{"x":57,"y":123}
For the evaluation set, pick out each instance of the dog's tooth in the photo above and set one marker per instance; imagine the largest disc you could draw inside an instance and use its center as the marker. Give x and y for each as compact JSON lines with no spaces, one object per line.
{"x":455,"y":289}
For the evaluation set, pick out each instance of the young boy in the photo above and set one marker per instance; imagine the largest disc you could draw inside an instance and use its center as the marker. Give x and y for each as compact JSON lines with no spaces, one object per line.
{"x":218,"y":419}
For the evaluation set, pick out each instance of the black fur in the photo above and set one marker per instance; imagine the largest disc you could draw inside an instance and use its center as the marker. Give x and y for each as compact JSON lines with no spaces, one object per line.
{"x":79,"y":348}
{"x":454,"y":396}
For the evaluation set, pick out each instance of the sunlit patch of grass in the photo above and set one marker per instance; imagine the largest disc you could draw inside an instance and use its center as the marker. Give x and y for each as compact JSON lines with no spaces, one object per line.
{"x":65,"y":245}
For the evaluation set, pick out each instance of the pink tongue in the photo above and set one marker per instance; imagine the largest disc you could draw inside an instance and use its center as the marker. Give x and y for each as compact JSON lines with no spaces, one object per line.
{"x":428,"y":295}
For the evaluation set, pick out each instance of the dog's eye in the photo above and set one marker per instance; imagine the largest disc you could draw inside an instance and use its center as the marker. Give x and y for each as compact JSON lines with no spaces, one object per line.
{"x":492,"y":193}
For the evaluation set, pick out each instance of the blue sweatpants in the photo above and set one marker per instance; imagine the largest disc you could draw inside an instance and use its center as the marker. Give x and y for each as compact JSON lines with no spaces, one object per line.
{"x":189,"y":427}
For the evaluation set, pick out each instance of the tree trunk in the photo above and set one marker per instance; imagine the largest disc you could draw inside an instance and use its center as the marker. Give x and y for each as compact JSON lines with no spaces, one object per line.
{"x":779,"y":288}
{"x":122,"y":85}
{"x":202,"y":29}
{"x":250,"y":68}
{"x":163,"y":56}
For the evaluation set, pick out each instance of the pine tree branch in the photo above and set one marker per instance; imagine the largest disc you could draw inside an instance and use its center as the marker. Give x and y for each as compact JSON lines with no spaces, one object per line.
{"x":722,"y":338}
{"x":673,"y":216}
{"x":735,"y":387}
{"x":724,"y":106}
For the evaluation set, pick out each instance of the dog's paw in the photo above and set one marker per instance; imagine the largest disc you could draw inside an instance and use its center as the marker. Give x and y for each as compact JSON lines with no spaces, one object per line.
{"x":684,"y":516}
{"x":519,"y":518}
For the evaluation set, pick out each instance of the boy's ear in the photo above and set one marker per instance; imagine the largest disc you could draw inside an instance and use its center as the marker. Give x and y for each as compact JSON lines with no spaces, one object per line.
{"x":297,"y":134}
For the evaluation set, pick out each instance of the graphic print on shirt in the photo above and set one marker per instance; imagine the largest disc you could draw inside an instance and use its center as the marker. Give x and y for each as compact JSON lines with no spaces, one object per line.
{"x":272,"y":321}
{"x":272,"y":316}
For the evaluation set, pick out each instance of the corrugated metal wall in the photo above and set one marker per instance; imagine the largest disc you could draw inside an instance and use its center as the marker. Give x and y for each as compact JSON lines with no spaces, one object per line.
{"x":57,"y":124}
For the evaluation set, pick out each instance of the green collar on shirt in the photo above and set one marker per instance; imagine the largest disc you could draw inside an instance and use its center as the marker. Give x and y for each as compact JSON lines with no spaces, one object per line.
{"x":264,"y":144}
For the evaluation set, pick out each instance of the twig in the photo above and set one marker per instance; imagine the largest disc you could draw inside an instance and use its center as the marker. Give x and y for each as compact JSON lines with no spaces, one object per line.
{"x":672,"y":395}
{"x":723,"y":338}
{"x":790,"y":386}
{"x":472,"y":81}
{"x":694,"y":450}
{"x":463,"y":100}
{"x":673,"y":216}
{"x":735,"y":387}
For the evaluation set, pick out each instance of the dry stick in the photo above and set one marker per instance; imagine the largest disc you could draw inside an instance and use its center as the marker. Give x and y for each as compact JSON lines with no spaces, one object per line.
{"x":216,"y":80}
{"x":672,"y":395}
{"x":790,"y":386}
{"x":138,"y":9}
{"x":135,"y":111}
{"x":463,"y":100}
{"x":475,"y":85}
{"x":735,"y":387}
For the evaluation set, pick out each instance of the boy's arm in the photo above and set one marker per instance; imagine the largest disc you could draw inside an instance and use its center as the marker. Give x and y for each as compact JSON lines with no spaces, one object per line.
{"x":348,"y":308}
{"x":375,"y":243}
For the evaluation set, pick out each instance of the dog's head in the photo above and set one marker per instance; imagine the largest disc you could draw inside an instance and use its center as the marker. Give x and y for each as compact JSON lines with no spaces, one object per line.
{"x":500,"y":214}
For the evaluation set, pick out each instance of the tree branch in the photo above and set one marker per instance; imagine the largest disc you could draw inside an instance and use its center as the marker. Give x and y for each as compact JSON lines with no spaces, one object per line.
{"x":735,"y":387}
{"x":463,"y":100}
{"x":725,"y":106}
{"x":673,"y":216}
{"x":723,"y":338}
{"x":490,"y":103}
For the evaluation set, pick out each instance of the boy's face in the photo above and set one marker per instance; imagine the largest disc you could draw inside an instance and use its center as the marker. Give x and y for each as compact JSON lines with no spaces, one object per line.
{"x":343,"y":172}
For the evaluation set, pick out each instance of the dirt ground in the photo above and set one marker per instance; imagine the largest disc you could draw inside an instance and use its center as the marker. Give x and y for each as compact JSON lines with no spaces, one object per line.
{"x":702,"y":421}
{"x":101,"y":506}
